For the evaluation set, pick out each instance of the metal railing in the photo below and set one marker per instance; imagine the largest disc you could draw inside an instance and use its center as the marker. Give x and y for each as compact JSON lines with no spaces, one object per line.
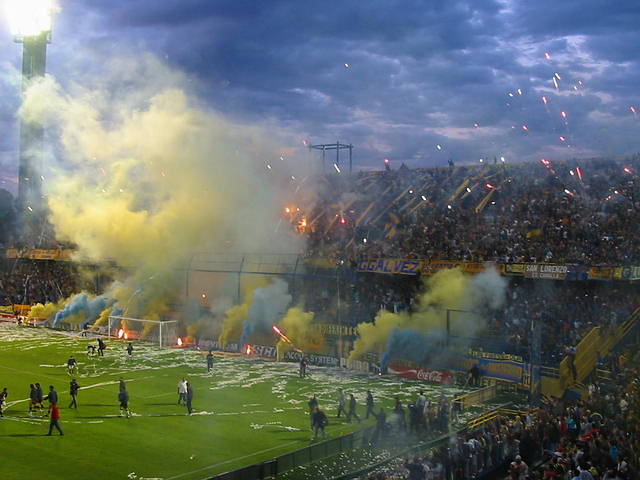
{"x":312,"y":453}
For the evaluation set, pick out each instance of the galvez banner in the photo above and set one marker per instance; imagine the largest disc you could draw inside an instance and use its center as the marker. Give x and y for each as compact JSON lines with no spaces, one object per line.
{"x":424,"y":374}
{"x":547,"y":271}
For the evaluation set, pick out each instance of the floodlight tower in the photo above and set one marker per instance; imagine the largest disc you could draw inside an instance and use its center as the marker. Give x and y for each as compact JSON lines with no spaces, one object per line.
{"x":30,"y":22}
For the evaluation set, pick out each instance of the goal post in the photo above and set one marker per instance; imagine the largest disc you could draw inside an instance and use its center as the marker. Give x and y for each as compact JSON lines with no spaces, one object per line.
{"x":162,"y":332}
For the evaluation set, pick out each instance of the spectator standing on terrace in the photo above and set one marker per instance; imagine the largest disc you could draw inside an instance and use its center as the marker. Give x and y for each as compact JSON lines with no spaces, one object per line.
{"x":55,"y":420}
{"x":73,"y":391}
{"x":209,"y":361}
{"x":519,"y":468}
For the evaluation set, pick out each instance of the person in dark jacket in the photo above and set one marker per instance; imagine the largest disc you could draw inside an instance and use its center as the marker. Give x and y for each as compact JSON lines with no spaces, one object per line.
{"x":3,"y":397}
{"x":209,"y":361}
{"x":52,"y":397}
{"x":33,"y":398}
{"x":189,"y":397}
{"x":73,"y":391}
{"x":318,"y":422}
{"x":39,"y":398}
{"x":369,"y":404}
{"x":123,"y":398}
{"x":352,"y":409}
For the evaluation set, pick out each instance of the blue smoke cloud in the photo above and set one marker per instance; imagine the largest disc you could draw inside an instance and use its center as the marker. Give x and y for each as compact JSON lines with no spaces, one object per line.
{"x":268,"y":305}
{"x":82,"y":303}
{"x":412,"y":345}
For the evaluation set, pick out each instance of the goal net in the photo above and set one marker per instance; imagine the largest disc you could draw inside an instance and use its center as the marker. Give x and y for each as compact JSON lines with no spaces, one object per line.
{"x":161,"y":332}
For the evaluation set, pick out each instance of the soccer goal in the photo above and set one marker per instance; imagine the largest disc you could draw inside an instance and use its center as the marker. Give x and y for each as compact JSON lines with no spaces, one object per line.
{"x":162,"y":332}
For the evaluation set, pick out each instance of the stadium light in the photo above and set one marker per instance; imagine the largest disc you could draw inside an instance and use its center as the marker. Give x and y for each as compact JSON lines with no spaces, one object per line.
{"x":30,"y":23}
{"x":28,"y":18}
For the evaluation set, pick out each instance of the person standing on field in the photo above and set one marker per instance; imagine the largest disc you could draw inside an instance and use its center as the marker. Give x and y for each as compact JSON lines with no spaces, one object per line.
{"x":318,"y":422}
{"x":73,"y":391}
{"x":209,"y":361}
{"x":352,"y":409}
{"x":55,"y":419}
{"x":3,"y":396}
{"x":189,"y":397}
{"x":369,"y":404}
{"x":341,"y":402}
{"x":182,"y":392}
{"x":123,"y":398}
{"x":52,"y":397}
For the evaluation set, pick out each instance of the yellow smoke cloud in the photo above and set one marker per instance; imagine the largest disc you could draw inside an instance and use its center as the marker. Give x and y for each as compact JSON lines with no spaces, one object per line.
{"x":48,"y":310}
{"x":103,"y":318}
{"x":148,"y":177}
{"x":296,"y":325}
{"x":232,"y":324}
{"x":372,"y":337}
{"x":447,"y":289}
{"x":236,"y":315}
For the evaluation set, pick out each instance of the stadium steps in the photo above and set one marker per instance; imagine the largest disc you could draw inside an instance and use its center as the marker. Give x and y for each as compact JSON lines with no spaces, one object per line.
{"x":598,"y":343}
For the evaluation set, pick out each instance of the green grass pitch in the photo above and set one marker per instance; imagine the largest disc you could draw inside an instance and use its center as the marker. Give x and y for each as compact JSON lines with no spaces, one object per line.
{"x":246,"y":410}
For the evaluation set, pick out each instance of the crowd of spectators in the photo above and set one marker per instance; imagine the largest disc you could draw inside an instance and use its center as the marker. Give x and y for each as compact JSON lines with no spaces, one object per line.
{"x":29,"y":282}
{"x":597,"y":437}
{"x":563,"y":212}
{"x":564,"y":311}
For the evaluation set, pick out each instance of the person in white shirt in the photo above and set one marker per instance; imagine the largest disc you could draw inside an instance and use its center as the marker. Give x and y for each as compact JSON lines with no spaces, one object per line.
{"x":182,"y":392}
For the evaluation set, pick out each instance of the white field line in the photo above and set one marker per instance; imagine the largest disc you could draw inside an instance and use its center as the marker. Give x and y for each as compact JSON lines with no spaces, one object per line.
{"x":209,"y":467}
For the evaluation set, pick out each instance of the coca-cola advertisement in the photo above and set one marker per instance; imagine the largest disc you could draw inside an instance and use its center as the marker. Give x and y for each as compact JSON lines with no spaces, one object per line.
{"x":423,"y":374}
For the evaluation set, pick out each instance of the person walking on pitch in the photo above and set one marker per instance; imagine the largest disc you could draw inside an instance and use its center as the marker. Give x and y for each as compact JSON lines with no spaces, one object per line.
{"x":189,"y":397}
{"x":341,"y":403}
{"x":73,"y":391}
{"x":123,"y":398}
{"x":55,"y":420}
{"x":209,"y":361}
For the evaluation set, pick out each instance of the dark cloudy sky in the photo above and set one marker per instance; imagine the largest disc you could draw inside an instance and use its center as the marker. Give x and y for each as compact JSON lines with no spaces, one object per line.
{"x":416,"y":81}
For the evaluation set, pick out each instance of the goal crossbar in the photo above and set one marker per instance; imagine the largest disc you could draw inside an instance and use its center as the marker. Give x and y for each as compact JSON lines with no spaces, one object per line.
{"x":162,"y":325}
